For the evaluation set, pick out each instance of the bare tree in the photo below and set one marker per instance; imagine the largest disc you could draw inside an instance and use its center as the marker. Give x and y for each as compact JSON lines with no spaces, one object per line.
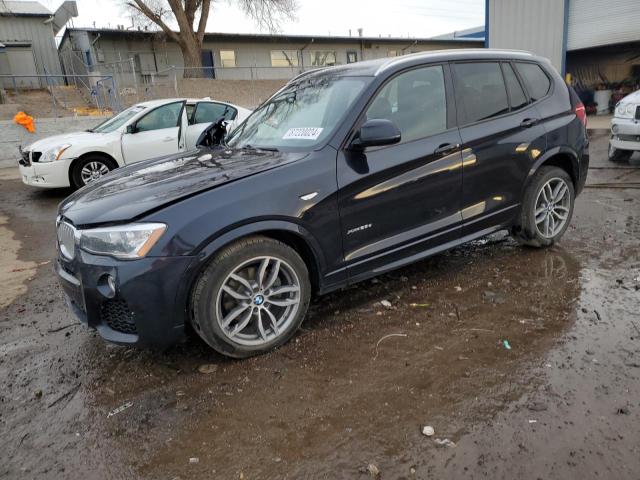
{"x":191,"y":17}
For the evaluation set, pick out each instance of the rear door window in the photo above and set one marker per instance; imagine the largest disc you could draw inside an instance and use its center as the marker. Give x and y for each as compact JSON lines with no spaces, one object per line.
{"x":480,"y":91}
{"x":517,"y":96}
{"x":536,"y":81}
{"x":208,"y":112}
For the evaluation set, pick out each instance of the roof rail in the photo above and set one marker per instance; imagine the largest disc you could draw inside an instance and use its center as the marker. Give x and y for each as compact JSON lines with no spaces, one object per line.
{"x":403,"y":58}
{"x":305,"y":73}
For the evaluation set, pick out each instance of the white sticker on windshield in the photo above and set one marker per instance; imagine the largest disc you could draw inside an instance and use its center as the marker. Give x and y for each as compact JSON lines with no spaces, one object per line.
{"x":303,"y":133}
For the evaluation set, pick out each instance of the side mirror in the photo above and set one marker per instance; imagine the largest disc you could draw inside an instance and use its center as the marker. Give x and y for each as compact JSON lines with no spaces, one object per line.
{"x":131,"y":129}
{"x":376,"y":132}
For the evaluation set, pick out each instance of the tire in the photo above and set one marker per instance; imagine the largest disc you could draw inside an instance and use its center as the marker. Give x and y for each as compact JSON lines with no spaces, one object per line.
{"x":236,"y":317}
{"x":545,"y":229}
{"x":617,"y":155}
{"x":80,"y":170}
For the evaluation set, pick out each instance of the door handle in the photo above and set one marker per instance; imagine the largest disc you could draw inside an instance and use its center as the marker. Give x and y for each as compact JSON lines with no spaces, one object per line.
{"x":529,"y":122}
{"x":446,"y":148}
{"x":168,"y":139}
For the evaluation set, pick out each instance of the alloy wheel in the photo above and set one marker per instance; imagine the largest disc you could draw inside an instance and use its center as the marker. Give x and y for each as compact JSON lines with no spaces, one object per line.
{"x":552,"y":208}
{"x":93,"y":171}
{"x":258,"y":301}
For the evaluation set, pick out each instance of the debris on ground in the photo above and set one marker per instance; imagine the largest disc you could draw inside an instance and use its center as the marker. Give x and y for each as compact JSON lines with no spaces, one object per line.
{"x":458,"y":288}
{"x":537,"y":406}
{"x":385,"y":303}
{"x":623,"y":411}
{"x":494,"y":297}
{"x":419,"y":305}
{"x":373,"y":470}
{"x":194,"y":460}
{"x":444,"y":442}
{"x":208,"y":368}
{"x":385,"y":337}
{"x":120,"y":409}
{"x":506,"y":345}
{"x":428,"y":431}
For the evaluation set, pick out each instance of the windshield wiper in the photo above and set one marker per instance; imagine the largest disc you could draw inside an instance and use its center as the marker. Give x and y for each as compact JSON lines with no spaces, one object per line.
{"x":251,"y":147}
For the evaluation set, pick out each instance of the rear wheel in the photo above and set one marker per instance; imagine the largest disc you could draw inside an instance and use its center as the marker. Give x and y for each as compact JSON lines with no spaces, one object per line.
{"x":251,"y":298}
{"x":89,"y":169}
{"x":547,"y":208}
{"x":617,"y":155}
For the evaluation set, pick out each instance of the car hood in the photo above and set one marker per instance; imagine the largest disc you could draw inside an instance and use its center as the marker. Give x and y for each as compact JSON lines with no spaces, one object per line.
{"x":632,"y":98}
{"x":130,"y":192}
{"x":73,"y":138}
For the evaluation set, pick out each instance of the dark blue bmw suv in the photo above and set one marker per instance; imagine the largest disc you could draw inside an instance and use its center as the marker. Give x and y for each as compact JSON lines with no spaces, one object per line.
{"x":344,"y":173}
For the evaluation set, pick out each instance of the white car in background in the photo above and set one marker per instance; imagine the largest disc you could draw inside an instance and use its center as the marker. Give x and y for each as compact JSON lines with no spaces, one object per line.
{"x":625,"y":128}
{"x":145,"y":130}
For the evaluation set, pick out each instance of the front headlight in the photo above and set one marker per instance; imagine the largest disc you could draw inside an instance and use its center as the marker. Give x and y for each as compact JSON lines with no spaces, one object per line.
{"x":53,"y":154}
{"x":127,"y":242}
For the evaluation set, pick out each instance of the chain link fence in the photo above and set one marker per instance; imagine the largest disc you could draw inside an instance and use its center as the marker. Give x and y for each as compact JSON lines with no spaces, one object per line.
{"x":106,"y":88}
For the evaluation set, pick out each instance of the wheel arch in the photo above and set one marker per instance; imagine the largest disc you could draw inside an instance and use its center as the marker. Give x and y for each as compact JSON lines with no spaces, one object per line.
{"x":289,"y":233}
{"x":562,"y":157}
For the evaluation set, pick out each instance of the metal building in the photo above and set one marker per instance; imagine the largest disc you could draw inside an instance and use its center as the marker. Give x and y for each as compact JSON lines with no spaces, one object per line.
{"x":595,"y":39}
{"x":27,"y":36}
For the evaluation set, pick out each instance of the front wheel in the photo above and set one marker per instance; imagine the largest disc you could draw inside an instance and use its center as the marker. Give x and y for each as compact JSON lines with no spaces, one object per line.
{"x":547,"y":208}
{"x":90,"y":169}
{"x":617,"y":155}
{"x":251,"y":298}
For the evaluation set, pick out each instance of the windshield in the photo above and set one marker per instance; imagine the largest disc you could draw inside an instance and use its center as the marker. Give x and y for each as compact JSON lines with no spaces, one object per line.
{"x":302,"y":115}
{"x":116,"y":122}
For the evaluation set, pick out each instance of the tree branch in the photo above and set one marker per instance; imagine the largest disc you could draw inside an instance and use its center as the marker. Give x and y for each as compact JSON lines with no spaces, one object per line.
{"x":204,"y":16}
{"x":141,"y":7}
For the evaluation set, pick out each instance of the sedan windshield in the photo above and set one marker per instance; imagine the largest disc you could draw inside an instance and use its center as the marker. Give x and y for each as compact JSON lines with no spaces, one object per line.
{"x":302,"y":115}
{"x":116,"y":122}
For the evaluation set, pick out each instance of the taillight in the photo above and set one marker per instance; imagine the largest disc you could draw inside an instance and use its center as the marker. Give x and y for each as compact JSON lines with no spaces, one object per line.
{"x":581,"y":113}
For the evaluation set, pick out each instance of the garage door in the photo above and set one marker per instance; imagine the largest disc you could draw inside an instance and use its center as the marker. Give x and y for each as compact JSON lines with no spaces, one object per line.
{"x":594,"y":23}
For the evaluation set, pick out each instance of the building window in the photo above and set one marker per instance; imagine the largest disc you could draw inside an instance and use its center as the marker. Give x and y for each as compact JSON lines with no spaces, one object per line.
{"x":352,"y":57}
{"x":228,"y":58}
{"x":284,"y":58}
{"x":321,"y":58}
{"x":392,"y":53}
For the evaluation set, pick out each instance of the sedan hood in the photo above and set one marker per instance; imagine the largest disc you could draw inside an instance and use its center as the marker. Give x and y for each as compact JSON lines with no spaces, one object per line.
{"x":74,"y":138}
{"x":130,"y":192}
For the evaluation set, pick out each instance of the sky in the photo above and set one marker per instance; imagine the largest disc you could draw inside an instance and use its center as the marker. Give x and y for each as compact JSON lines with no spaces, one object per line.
{"x":397,"y":18}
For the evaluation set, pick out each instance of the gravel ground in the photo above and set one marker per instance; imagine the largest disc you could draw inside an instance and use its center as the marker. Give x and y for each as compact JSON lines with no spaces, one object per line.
{"x":349,"y":396}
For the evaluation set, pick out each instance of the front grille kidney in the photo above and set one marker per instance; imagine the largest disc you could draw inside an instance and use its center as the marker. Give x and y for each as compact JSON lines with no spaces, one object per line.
{"x":66,"y":240}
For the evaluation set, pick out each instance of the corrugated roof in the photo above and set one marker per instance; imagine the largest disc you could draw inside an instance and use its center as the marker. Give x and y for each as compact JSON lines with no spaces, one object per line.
{"x":278,"y":37}
{"x":24,"y":8}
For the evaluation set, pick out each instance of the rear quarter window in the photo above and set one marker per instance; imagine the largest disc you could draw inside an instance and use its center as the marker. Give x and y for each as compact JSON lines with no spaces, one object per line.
{"x":536,"y":81}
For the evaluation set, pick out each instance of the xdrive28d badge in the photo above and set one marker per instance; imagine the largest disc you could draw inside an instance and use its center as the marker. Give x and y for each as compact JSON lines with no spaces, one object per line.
{"x":344,"y":173}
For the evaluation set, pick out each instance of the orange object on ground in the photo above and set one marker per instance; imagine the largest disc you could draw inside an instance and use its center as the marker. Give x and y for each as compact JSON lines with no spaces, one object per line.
{"x":26,"y":121}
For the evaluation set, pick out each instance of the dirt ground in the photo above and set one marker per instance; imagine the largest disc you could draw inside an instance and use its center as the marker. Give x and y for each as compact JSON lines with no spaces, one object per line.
{"x":349,"y":396}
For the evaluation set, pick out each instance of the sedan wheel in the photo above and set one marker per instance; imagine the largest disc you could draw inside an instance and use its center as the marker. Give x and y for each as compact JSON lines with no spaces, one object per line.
{"x":93,"y":171}
{"x":90,"y":168}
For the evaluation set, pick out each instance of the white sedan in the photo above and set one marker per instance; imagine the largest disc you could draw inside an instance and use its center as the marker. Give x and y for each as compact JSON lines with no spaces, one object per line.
{"x":145,"y":130}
